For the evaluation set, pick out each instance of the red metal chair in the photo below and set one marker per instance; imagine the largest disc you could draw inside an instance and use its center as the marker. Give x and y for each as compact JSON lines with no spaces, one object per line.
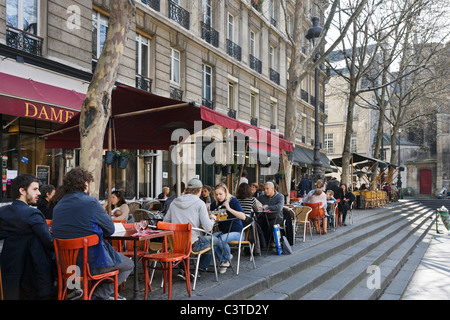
{"x":179,"y":253}
{"x":66,"y":251}
{"x":316,"y":214}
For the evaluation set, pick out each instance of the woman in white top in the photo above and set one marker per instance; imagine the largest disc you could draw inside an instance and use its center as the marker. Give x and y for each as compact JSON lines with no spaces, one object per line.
{"x":318,"y":196}
{"x":119,"y":206}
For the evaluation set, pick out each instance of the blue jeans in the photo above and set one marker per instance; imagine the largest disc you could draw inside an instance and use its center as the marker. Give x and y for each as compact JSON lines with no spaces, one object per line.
{"x":223,"y":251}
{"x":204,"y":242}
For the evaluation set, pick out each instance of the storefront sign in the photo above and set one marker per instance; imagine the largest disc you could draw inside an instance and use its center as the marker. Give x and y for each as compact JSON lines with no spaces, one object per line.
{"x":48,"y":113}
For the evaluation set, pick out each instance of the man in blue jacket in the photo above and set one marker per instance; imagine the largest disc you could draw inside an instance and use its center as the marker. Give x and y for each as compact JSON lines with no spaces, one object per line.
{"x":26,"y":260}
{"x":78,"y":215}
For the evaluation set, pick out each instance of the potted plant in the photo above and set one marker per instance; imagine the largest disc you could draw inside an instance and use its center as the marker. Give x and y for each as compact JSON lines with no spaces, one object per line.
{"x":217,"y":168}
{"x":110,"y":157}
{"x":124,"y":157}
{"x":226,"y":170}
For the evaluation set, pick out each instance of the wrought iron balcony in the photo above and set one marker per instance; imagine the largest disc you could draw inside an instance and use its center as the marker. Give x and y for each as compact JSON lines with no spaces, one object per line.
{"x":303,"y":139}
{"x":255,"y":64}
{"x":210,"y":35}
{"x":232,"y":113}
{"x":254,"y":121}
{"x":322,"y":106}
{"x":273,"y":22}
{"x":233,"y":50}
{"x":143,"y":83}
{"x":179,"y":14}
{"x":176,"y":94}
{"x":273,"y":126}
{"x":304,"y":95}
{"x":274,"y":76}
{"x":208,"y":103}
{"x":154,"y":4}
{"x":23,"y":41}
{"x":313,"y":100}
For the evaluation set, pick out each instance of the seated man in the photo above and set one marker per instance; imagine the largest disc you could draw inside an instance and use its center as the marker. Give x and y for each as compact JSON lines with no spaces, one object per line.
{"x":189,"y":208}
{"x":79,"y":215}
{"x":275,"y":203}
{"x":26,"y":258}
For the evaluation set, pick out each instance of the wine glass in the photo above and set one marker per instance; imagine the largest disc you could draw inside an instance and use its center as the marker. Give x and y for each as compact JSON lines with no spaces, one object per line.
{"x":137,"y":226}
{"x":144,"y":224}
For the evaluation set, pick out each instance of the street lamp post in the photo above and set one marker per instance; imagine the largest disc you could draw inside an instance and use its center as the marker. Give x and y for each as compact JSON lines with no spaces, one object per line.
{"x":314,"y":32}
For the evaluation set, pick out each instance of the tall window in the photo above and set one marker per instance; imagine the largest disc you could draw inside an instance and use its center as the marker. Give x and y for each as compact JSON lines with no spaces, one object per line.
{"x":253,"y":105}
{"x":230,"y":29}
{"x":273,"y":115}
{"x":207,"y":82}
{"x":22,"y":26}
{"x":99,"y":30}
{"x":142,"y":55}
{"x":252,"y":43}
{"x":174,"y":66}
{"x":353,"y":143}
{"x":271,"y":57}
{"x":23,"y":15}
{"x":329,"y":144}
{"x":231,"y":96}
{"x":207,"y":12}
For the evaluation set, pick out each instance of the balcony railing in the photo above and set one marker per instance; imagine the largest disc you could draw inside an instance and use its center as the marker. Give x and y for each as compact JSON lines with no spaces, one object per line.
{"x":143,"y":83}
{"x":255,"y":64}
{"x":179,"y":14}
{"x":273,"y":22}
{"x":176,"y":94}
{"x":233,"y":50}
{"x":304,"y":95}
{"x":208,"y":103}
{"x":232,"y":113}
{"x":273,"y":126}
{"x":322,"y":106}
{"x":23,"y":41}
{"x":274,"y":76}
{"x":154,"y":4}
{"x":313,"y":100}
{"x":210,"y":35}
{"x":254,"y":121}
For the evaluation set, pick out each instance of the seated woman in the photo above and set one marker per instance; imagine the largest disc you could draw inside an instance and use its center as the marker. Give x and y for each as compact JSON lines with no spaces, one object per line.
{"x":248,"y":203}
{"x":119,"y":207}
{"x":229,"y":230}
{"x":318,"y":196}
{"x":164,"y":194}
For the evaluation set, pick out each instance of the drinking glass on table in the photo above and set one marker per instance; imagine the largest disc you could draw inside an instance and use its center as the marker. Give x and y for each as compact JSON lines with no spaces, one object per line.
{"x":144,"y":224}
{"x":137,"y":226}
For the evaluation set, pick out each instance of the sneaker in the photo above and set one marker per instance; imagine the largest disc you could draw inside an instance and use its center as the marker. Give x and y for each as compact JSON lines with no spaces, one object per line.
{"x":182,"y":275}
{"x":225,"y":264}
{"x":222,"y":270}
{"x":75,"y":294}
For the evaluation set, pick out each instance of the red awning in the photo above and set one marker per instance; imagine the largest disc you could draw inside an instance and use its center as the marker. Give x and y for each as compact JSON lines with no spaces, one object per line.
{"x":140,"y":123}
{"x":28,"y":98}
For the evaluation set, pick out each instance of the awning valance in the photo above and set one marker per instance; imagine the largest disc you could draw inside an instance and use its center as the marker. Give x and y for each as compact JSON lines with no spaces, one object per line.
{"x":32,"y":99}
{"x":147,"y":121}
{"x":357,"y":158}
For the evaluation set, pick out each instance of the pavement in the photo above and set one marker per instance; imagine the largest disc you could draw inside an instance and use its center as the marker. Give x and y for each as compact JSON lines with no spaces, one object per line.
{"x":431,"y":279}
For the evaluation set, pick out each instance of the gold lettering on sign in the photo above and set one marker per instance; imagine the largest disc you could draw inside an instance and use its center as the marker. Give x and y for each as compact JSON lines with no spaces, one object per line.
{"x":43,"y":112}
{"x":27,"y":114}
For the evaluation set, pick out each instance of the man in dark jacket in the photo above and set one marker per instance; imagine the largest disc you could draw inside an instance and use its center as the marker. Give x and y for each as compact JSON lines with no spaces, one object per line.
{"x":304,"y":185}
{"x":79,"y":215}
{"x":26,"y":260}
{"x":275,"y":203}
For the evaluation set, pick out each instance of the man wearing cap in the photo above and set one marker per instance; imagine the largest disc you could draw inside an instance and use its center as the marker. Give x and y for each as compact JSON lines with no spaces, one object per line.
{"x":189,"y":208}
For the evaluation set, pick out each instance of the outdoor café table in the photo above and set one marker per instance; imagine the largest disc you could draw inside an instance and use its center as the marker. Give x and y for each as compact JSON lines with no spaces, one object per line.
{"x":265,"y":213}
{"x":132,"y":235}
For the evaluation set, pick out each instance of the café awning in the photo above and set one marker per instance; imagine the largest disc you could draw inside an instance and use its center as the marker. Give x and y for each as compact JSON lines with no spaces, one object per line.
{"x":32,"y":99}
{"x":357,"y":158}
{"x":304,"y":158}
{"x":142,"y":120}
